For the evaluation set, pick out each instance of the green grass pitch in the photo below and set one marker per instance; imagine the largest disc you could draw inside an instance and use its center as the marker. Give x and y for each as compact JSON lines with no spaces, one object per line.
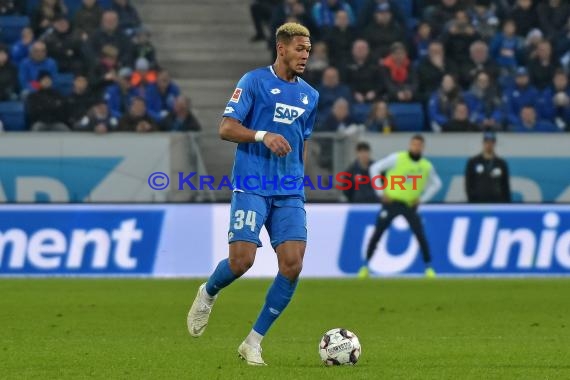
{"x":409,"y":329}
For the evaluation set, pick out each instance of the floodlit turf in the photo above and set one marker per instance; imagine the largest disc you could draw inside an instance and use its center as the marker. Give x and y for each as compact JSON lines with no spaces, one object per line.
{"x":409,"y":329}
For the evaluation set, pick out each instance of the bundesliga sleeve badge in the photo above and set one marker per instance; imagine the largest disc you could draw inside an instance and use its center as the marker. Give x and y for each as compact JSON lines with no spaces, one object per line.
{"x":236,"y":95}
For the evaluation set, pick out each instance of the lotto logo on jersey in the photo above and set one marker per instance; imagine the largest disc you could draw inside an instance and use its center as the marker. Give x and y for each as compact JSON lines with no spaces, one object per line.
{"x":236,"y":95}
{"x":286,"y":114}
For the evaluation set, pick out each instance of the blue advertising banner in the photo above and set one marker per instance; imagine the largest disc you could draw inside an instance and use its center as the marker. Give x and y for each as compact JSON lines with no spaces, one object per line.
{"x":78,"y":242}
{"x":490,"y":240}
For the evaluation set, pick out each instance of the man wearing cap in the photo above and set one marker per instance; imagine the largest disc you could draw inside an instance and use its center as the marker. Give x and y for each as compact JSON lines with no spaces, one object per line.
{"x":520,"y":94}
{"x":119,"y":95}
{"x":487,"y":175}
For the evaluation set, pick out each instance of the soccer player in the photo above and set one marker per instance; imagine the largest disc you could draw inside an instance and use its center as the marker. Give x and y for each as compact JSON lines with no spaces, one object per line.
{"x":404,"y":201}
{"x":270,"y":116}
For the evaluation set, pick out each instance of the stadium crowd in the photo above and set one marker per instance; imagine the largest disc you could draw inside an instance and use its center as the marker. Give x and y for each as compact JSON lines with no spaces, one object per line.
{"x":471,"y":65}
{"x":91,"y":68}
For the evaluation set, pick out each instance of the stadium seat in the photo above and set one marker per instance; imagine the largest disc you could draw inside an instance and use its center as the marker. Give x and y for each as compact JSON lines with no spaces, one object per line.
{"x":64,"y":83}
{"x":11,"y":28}
{"x":360,"y":112}
{"x":13,"y":116}
{"x":408,"y":117}
{"x":407,"y":8}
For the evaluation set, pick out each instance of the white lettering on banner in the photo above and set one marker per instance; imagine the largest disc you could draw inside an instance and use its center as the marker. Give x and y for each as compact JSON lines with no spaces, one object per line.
{"x":383,"y":262}
{"x":564,"y":197}
{"x":27,"y":189}
{"x":523,"y":238}
{"x":456,"y":190}
{"x":457,"y":242}
{"x":529,"y":189}
{"x":44,"y":248}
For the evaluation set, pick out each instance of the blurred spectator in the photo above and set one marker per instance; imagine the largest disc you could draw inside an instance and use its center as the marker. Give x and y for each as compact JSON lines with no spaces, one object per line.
{"x":484,"y":19}
{"x":555,"y":101}
{"x":143,"y":47}
{"x":104,"y":71}
{"x":7,"y":7}
{"x":64,"y":47}
{"x":330,"y":90}
{"x":400,"y":77}
{"x":339,"y":119}
{"x":479,"y":60}
{"x":360,"y":167}
{"x":8,"y":77}
{"x":542,"y":66}
{"x":529,"y":122}
{"x":119,"y":95}
{"x":261,"y":13}
{"x":524,"y":16}
{"x":87,"y":19}
{"x":79,"y":101}
{"x":362,"y":75}
{"x":458,"y":38}
{"x":422,"y":41}
{"x":317,"y":63}
{"x":431,"y":70}
{"x":98,"y":119}
{"x":30,"y":68}
{"x":442,"y":102}
{"x":142,"y":77}
{"x":137,"y":119}
{"x":161,"y":96}
{"x":380,"y":119}
{"x":110,"y":34}
{"x":42,"y":17}
{"x":521,"y":94}
{"x":21,"y":49}
{"x":323,"y":12}
{"x":367,"y":8}
{"x":292,"y":8}
{"x":129,"y":19}
{"x":382,"y":32}
{"x":552,"y":16}
{"x":439,"y":15}
{"x":487,"y":178}
{"x":460,"y":121}
{"x":181,"y":118}
{"x":45,"y":108}
{"x":505,"y":48}
{"x":484,"y":103}
{"x":339,"y":40}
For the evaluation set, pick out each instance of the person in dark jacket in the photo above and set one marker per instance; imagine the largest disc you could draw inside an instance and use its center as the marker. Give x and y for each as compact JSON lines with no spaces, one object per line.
{"x":98,"y":119}
{"x":46,"y":110}
{"x":137,"y":119}
{"x":180,"y":118}
{"x":361,"y":167}
{"x":487,"y":175}
{"x":8,"y":77}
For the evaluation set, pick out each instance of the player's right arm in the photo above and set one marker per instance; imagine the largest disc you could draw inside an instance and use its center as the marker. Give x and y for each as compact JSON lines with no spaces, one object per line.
{"x":238,"y":107}
{"x":232,"y":130}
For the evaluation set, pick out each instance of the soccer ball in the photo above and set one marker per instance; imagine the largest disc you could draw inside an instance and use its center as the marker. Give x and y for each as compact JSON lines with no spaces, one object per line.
{"x":339,"y":347}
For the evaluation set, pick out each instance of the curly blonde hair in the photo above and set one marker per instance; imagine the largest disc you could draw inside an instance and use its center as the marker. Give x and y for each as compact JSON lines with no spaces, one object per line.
{"x":287,"y":31}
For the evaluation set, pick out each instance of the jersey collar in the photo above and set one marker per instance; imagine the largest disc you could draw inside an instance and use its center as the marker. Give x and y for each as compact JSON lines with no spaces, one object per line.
{"x":275,"y":75}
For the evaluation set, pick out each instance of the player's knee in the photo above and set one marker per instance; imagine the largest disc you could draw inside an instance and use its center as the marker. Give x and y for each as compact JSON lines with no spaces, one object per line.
{"x":291,"y":268}
{"x":240,"y":265}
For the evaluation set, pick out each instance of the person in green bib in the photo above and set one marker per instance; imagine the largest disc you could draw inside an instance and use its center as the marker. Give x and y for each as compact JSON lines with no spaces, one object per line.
{"x":410,"y":180}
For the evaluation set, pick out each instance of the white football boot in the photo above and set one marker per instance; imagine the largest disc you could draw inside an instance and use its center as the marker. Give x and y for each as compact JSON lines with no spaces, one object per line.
{"x":199,"y":313}
{"x":251,"y":354}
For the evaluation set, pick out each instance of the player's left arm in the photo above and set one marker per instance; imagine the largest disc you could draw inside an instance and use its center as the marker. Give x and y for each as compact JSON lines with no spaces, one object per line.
{"x":433,"y":186}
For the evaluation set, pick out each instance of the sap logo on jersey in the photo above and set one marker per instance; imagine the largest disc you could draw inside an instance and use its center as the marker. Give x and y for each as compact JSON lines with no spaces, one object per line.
{"x":78,"y":242}
{"x":286,"y":114}
{"x":510,"y":241}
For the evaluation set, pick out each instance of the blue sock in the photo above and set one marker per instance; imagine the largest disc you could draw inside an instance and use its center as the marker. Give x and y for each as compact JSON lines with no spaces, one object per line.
{"x":222,"y":277}
{"x":277,"y":299}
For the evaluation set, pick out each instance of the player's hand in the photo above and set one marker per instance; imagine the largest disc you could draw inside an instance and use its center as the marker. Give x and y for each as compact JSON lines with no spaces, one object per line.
{"x":277,"y":144}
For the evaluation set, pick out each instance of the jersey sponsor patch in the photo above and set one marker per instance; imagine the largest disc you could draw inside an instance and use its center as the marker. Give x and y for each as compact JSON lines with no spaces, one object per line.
{"x":236,"y":95}
{"x":286,"y":114}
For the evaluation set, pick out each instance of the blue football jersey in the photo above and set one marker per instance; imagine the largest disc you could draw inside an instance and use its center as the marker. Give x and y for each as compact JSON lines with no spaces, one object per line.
{"x":264,"y":102}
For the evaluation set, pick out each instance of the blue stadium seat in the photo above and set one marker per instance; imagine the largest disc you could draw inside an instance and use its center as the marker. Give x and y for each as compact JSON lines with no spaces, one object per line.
{"x":408,"y":117}
{"x":360,"y":112}
{"x":105,"y":4}
{"x":407,"y":7}
{"x":13,"y":116}
{"x":64,"y":83}
{"x":72,"y":6}
{"x":11,"y":28}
